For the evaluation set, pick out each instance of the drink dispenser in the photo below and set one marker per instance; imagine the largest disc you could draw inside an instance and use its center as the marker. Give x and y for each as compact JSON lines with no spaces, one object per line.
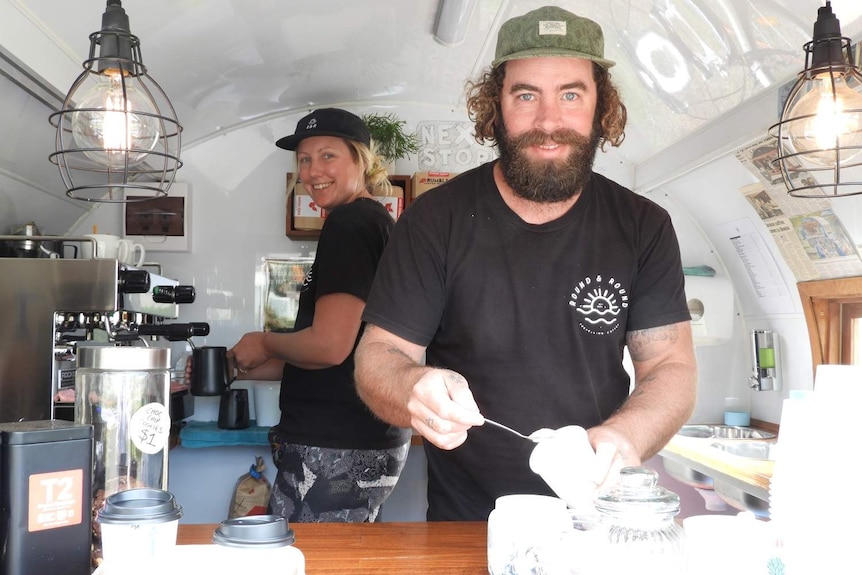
{"x":123,"y":392}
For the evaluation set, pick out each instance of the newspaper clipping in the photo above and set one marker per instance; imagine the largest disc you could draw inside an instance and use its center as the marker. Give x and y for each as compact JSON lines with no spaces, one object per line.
{"x":810,"y":237}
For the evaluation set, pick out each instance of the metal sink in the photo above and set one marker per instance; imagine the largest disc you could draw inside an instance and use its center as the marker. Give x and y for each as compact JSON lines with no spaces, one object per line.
{"x":685,"y":474}
{"x":761,"y":450}
{"x":723,"y":432}
{"x":742,"y":500}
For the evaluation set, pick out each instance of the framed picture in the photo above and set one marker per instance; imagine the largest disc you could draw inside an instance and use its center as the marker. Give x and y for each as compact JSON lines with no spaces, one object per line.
{"x":161,"y":224}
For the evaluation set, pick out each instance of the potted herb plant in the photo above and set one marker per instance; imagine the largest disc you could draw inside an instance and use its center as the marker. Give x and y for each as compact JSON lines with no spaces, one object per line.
{"x":393,"y":142}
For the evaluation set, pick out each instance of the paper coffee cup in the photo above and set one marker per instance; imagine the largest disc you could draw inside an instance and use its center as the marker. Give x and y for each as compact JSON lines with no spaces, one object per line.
{"x":260,"y":540}
{"x":139,"y":531}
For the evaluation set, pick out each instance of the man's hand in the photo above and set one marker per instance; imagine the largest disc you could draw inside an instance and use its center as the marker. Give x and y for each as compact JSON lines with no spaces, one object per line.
{"x":442,"y":408}
{"x":613,"y":452}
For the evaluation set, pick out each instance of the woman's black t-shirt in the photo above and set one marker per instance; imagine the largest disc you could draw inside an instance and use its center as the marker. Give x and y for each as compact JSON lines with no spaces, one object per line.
{"x":320,"y":407}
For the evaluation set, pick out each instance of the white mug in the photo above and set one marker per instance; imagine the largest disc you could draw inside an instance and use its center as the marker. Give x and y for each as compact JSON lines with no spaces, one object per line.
{"x":126,"y":250}
{"x":107,"y":246}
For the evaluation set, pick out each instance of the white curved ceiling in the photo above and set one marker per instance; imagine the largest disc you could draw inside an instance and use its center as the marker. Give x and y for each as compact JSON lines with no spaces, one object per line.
{"x":225,"y":63}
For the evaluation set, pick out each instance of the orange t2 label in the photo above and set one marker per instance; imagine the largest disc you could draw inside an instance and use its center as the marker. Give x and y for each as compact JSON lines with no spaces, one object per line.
{"x":56,"y":499}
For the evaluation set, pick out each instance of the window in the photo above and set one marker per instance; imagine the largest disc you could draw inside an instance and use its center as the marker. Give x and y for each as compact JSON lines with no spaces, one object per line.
{"x":833,"y":313}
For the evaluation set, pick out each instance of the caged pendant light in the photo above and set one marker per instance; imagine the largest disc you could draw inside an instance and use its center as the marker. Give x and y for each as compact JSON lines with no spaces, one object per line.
{"x":117,"y":131}
{"x":820,"y":131}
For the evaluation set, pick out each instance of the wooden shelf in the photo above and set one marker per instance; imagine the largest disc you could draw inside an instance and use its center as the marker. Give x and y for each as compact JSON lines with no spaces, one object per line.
{"x":403,"y":182}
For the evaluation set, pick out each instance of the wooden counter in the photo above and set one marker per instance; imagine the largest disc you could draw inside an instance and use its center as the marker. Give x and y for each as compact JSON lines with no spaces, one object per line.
{"x":388,"y":548}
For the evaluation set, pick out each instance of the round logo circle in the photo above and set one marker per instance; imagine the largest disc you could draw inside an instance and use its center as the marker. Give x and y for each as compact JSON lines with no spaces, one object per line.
{"x":598,"y":301}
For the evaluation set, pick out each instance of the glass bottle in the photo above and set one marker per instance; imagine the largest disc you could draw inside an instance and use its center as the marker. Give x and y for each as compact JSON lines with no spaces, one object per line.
{"x":637,"y":517}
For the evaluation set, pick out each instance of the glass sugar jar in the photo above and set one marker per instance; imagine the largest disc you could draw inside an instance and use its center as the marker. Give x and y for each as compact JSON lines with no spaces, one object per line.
{"x":637,"y":517}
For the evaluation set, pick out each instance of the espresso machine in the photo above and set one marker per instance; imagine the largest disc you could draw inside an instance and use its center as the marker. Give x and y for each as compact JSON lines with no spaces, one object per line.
{"x":52,"y":304}
{"x":89,"y":329}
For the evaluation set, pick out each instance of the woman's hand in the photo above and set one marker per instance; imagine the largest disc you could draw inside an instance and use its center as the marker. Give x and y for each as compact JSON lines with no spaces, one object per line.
{"x":249,"y":352}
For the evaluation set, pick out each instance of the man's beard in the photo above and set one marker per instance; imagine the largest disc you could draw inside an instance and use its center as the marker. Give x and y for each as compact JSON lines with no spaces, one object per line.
{"x":546,"y":181}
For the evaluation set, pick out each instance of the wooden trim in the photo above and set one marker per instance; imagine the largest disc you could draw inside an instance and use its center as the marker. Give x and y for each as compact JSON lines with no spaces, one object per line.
{"x":764,"y":425}
{"x":850,"y":314}
{"x":821,"y":304}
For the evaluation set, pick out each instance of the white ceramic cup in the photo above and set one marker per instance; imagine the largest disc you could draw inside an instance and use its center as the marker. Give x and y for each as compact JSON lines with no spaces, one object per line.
{"x":529,"y":533}
{"x":107,"y":246}
{"x":131,"y":253}
{"x":266,"y":407}
{"x":566,"y":461}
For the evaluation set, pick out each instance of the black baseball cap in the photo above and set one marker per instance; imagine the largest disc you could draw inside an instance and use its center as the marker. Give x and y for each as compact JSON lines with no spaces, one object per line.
{"x":328,"y":122}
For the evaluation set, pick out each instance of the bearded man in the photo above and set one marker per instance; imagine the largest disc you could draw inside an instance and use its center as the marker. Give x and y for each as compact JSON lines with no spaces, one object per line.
{"x":511,"y":291}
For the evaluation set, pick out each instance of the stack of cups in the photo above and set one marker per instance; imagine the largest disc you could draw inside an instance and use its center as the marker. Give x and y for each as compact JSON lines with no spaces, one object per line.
{"x":816,"y":445}
{"x":139,"y":531}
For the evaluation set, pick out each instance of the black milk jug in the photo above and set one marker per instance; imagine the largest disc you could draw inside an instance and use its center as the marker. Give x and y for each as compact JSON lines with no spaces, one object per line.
{"x":233,"y":409}
{"x":210,"y":375}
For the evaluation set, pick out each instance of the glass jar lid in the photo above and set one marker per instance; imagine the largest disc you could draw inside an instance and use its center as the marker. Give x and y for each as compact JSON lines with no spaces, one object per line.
{"x":638,"y":492}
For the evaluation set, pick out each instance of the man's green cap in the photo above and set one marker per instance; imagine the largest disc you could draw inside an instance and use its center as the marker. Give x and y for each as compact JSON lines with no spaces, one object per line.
{"x":550,"y":31}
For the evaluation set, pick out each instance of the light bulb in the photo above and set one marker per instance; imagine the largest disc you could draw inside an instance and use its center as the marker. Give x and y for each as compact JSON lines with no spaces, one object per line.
{"x":830,"y":119}
{"x":109,"y":123}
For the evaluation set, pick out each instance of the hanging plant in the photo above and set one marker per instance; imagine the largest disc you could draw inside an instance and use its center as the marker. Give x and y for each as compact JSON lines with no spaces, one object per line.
{"x":393,"y":142}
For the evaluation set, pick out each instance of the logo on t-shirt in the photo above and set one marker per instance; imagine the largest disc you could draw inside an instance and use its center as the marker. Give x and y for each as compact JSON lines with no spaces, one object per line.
{"x":307,"y":280}
{"x":598,"y":302}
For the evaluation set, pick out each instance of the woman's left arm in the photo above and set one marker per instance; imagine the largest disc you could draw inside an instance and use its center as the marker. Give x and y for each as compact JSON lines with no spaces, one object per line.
{"x":326,"y":343}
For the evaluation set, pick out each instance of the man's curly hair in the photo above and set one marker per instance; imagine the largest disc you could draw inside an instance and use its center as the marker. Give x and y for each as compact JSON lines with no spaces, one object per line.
{"x":483,"y":106}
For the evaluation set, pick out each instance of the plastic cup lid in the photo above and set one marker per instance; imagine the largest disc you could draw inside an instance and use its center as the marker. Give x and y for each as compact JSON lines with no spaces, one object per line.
{"x":258,"y":531}
{"x":144,"y":505}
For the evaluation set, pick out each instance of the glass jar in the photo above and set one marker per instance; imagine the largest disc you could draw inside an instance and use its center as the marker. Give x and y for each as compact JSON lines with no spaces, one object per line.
{"x":123,"y":392}
{"x":637,"y":517}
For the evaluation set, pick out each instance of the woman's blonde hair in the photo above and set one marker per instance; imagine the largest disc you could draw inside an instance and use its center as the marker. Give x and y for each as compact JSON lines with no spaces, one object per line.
{"x":373,"y":166}
{"x":483,"y":106}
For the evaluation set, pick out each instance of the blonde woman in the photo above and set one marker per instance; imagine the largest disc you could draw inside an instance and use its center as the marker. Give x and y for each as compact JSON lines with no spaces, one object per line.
{"x":336,"y":461}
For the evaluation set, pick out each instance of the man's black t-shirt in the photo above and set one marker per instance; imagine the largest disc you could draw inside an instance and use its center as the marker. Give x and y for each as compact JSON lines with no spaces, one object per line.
{"x":533,"y":316}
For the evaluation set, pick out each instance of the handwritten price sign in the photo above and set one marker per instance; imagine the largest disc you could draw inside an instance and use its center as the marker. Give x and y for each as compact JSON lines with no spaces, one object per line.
{"x":150,"y":427}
